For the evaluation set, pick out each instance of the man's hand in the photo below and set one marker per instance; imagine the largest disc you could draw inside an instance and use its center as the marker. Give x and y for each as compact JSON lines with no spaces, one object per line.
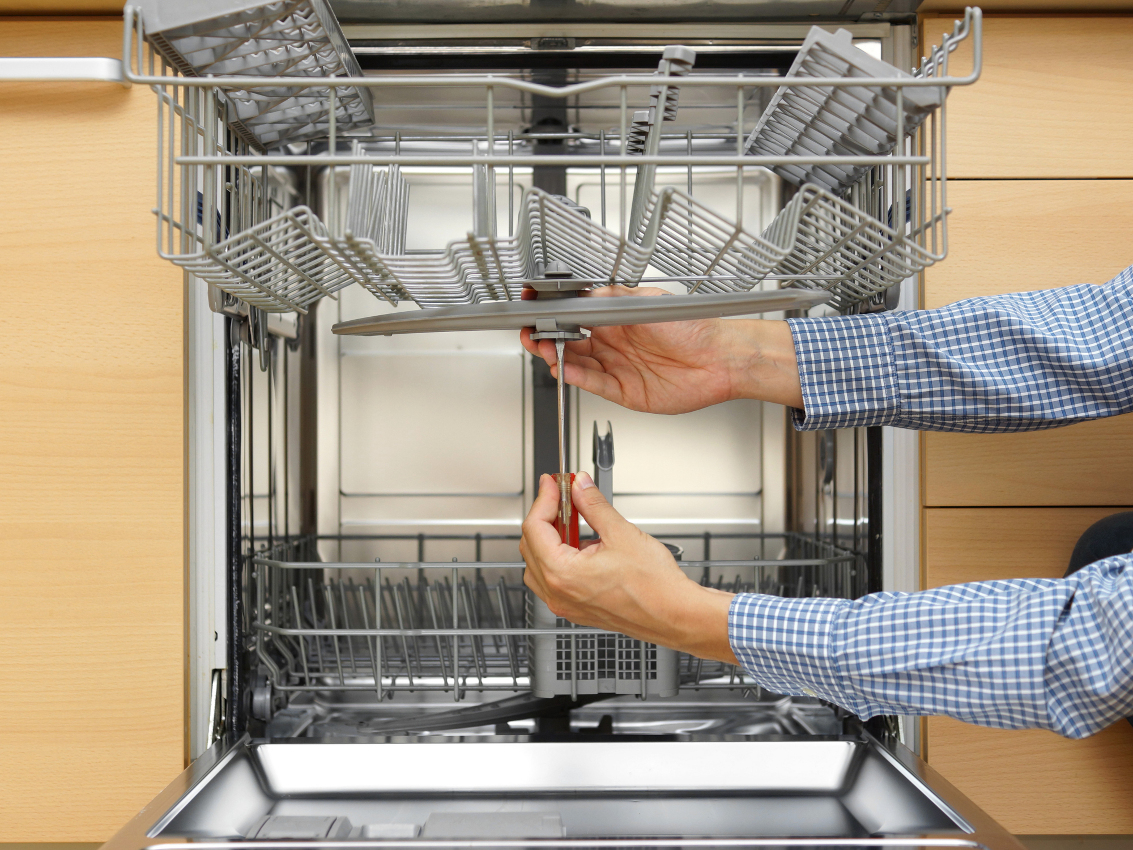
{"x":675,"y":367}
{"x":627,"y":582}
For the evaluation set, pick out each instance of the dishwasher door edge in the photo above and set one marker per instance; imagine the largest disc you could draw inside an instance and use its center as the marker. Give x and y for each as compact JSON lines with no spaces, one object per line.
{"x":985,"y":832}
{"x":135,"y":834}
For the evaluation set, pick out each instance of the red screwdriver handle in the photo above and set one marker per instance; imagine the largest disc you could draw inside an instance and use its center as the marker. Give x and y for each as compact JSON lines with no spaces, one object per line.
{"x":568,"y":530}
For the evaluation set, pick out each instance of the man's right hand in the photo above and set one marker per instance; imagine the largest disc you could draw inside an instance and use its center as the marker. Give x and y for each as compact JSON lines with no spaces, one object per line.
{"x":675,"y":367}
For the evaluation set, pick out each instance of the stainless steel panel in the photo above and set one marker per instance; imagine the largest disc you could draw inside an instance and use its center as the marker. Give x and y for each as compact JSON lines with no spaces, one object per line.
{"x":714,"y":712}
{"x":531,"y":767}
{"x":455,"y":11}
{"x":455,"y":418}
{"x":493,"y":824}
{"x":692,"y":791}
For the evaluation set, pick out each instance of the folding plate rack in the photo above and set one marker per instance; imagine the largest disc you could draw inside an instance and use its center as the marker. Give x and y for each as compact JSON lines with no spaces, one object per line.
{"x":857,"y":136}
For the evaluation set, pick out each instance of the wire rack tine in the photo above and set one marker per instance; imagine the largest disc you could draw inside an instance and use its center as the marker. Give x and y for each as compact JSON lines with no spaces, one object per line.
{"x":835,"y":102}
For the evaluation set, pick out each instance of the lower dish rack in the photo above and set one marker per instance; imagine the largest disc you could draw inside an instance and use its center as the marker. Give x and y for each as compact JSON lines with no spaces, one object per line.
{"x":472,"y":627}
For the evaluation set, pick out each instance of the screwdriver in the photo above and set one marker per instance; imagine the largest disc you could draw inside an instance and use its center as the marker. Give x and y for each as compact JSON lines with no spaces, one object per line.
{"x":559,"y":283}
{"x":568,"y":525}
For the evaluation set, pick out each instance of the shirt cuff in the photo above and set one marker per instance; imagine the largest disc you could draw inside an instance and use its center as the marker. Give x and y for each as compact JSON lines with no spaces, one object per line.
{"x":785,"y":644}
{"x":847,"y":368}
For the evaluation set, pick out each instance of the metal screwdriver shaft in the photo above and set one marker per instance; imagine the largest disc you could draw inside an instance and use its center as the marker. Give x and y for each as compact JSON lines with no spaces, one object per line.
{"x":557,"y":282}
{"x":564,"y":481}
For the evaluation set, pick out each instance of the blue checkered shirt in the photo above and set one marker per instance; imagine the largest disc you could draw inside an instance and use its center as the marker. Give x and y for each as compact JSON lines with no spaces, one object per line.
{"x":1049,"y":653}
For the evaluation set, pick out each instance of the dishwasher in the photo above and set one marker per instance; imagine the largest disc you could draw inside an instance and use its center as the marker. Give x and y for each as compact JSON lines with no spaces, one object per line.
{"x":366,"y":213}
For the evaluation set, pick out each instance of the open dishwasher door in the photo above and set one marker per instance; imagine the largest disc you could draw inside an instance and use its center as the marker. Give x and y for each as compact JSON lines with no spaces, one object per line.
{"x":375,"y":696}
{"x":555,"y":791}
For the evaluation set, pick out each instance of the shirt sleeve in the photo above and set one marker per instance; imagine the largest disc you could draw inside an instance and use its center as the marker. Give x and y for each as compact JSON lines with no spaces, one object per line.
{"x":1053,"y":654}
{"x":1000,"y":363}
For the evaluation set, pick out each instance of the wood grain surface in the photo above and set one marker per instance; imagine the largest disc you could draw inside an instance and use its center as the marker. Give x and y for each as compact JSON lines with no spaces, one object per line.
{"x":1032,"y":782}
{"x":1055,"y":100}
{"x":1052,"y":100}
{"x":1036,"y":783}
{"x":63,"y":7}
{"x":91,"y":454}
{"x":951,"y":7}
{"x":1086,"y":464}
{"x":982,"y":544}
{"x":1020,"y":235}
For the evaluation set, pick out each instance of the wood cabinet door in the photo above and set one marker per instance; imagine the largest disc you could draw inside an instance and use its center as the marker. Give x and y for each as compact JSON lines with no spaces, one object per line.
{"x":91,"y":453}
{"x":1018,"y":235}
{"x":1021,"y":235}
{"x":1033,"y":782}
{"x":1052,"y":101}
{"x":1055,"y":101}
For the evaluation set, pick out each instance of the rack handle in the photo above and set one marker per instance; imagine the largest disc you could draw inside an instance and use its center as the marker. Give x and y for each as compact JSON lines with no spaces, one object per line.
{"x":63,"y":69}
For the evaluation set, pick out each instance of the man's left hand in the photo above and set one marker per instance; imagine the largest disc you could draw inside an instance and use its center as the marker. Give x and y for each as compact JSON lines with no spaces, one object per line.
{"x":627,"y":582}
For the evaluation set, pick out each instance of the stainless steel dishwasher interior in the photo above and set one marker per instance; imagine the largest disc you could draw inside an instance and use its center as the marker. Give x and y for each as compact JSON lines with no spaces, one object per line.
{"x":509,"y":788}
{"x":366,"y":665}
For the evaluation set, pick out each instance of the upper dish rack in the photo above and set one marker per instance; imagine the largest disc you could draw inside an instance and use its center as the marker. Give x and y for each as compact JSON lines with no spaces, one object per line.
{"x":861,"y":139}
{"x":852,"y":120}
{"x":285,"y":38}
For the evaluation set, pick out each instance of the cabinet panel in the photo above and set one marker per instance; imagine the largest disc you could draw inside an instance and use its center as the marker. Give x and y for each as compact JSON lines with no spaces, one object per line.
{"x":1010,"y":236}
{"x":951,"y":7}
{"x":1036,"y":783}
{"x":983,"y":544}
{"x":1048,"y":84}
{"x":1051,"y":102}
{"x":1020,"y":235}
{"x":1085,"y":464}
{"x":91,"y":453}
{"x":1033,"y":782}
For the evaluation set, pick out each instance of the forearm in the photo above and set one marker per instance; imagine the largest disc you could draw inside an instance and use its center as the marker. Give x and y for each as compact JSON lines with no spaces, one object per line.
{"x":696,"y":623}
{"x":1010,"y":654}
{"x":1007,"y":363}
{"x":762,"y":361}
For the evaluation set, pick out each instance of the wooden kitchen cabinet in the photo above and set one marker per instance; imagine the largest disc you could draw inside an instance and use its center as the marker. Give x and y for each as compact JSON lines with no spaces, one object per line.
{"x":1033,"y":782}
{"x":984,"y":544}
{"x":91,"y":453}
{"x":1053,"y":99}
{"x":954,"y":9}
{"x":61,"y":7}
{"x":1018,"y":235}
{"x":1090,"y":463}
